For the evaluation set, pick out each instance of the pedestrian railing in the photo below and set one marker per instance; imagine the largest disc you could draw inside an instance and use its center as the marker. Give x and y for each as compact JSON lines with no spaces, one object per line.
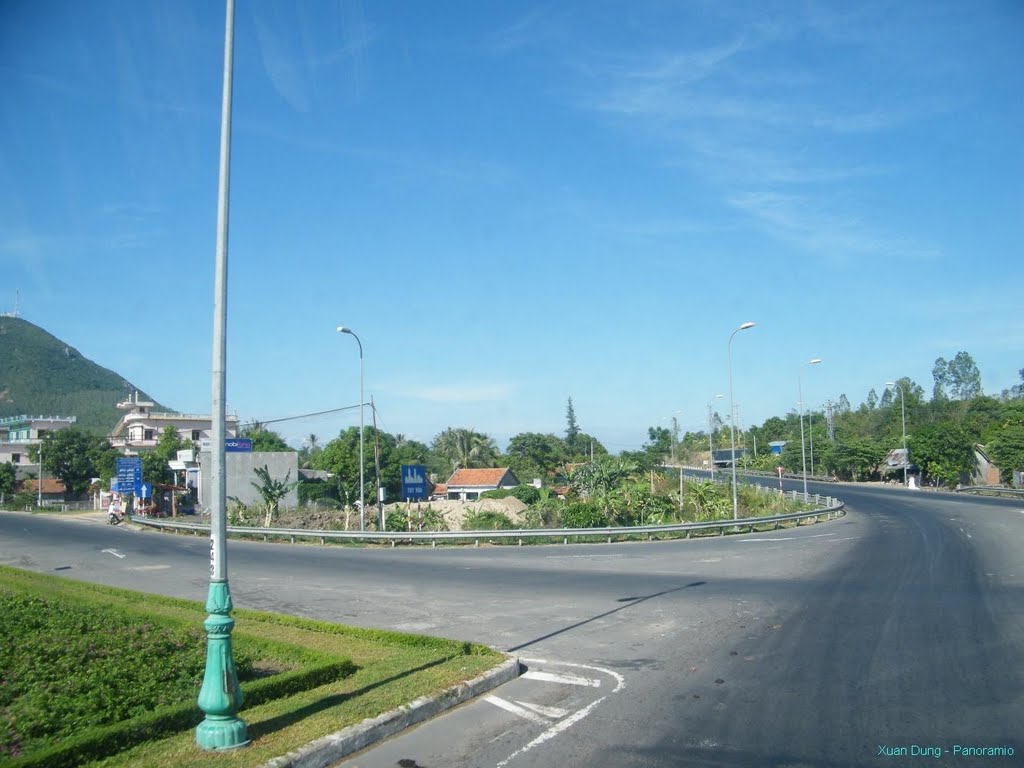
{"x":828,"y":508}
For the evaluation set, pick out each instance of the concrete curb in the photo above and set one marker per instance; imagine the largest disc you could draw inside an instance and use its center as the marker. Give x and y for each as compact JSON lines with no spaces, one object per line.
{"x":333,"y":747}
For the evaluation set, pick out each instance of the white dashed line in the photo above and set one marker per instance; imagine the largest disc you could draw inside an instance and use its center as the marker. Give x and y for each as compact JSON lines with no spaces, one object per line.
{"x":550,"y":677}
{"x":114,"y":552}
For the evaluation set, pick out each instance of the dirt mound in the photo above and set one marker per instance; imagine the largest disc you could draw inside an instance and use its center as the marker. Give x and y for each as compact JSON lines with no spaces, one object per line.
{"x":454,"y":512}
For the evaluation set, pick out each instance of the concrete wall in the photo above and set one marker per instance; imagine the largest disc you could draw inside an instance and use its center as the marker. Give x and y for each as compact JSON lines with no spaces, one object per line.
{"x":240,"y":476}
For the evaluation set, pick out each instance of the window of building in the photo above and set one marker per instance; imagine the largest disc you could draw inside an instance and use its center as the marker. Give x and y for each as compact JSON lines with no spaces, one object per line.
{"x":197,"y":434}
{"x":149,"y":435}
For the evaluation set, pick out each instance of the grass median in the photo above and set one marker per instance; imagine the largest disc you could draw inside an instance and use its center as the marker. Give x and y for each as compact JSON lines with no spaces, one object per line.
{"x":95,"y":675}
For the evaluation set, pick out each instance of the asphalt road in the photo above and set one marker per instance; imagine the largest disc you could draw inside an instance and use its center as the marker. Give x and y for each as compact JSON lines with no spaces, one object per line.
{"x":898,"y":627}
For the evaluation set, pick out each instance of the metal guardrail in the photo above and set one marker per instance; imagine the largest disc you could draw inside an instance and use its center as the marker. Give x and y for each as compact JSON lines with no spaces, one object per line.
{"x":833,"y":508}
{"x":995,"y":490}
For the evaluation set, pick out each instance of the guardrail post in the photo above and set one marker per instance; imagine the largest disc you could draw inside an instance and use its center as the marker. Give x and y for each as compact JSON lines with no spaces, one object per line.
{"x":520,"y":541}
{"x":476,"y":542}
{"x":433,"y":542}
{"x":322,"y":541}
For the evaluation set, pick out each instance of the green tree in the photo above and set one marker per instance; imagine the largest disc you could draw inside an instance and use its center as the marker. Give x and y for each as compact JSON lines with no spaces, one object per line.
{"x":944,"y":452}
{"x":964,"y":377}
{"x":465,"y":448}
{"x":70,"y":456}
{"x":852,"y":459}
{"x":872,"y":400}
{"x":659,"y":442}
{"x":1016,"y":392}
{"x":7,"y":475}
{"x":572,"y":429}
{"x":533,"y":454}
{"x":585,"y":445}
{"x":265,"y":440}
{"x":1007,"y":450}
{"x":154,"y":462}
{"x":940,"y":375}
{"x":271,"y":491}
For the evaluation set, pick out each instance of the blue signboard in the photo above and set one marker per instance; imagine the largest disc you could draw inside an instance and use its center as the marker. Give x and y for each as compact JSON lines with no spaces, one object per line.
{"x":129,"y":475}
{"x":414,"y":482}
{"x":238,"y":445}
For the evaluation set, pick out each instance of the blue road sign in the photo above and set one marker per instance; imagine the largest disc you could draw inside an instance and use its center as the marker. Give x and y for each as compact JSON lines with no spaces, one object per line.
{"x":238,"y":445}
{"x":129,"y":475}
{"x":414,"y":482}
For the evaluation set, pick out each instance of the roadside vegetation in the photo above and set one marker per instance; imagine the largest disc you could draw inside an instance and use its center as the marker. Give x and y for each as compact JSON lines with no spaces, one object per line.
{"x":841,"y":442}
{"x":91,"y":673}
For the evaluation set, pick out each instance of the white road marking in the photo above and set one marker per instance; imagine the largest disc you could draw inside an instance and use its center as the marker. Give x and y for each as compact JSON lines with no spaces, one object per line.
{"x":114,"y":552}
{"x":574,"y":718}
{"x":515,"y":709}
{"x":148,"y":568}
{"x":555,"y":713}
{"x":550,"y":677}
{"x":791,"y":538}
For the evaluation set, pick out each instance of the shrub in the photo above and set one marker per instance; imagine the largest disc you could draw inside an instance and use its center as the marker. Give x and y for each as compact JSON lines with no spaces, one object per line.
{"x":583,"y":514}
{"x":486,"y":520}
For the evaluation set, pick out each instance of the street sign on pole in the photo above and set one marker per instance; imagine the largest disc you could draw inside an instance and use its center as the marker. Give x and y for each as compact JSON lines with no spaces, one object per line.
{"x":414,"y":482}
{"x":129,"y":475}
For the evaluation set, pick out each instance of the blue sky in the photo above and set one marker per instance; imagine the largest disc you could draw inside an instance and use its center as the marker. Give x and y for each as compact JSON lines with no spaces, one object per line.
{"x":514,"y":203}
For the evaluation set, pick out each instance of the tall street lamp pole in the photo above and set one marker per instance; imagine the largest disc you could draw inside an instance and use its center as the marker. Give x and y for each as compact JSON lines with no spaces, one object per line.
{"x":732,"y":422}
{"x":803,"y":451}
{"x":220,"y":695}
{"x":903,"y":413}
{"x":711,"y":428}
{"x":362,"y":485}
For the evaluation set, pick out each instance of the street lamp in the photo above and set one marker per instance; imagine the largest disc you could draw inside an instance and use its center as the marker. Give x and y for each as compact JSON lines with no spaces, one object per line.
{"x":732,"y":422}
{"x":903,"y":413}
{"x":362,"y":492}
{"x":803,"y":452}
{"x":711,"y":428}
{"x":220,"y":695}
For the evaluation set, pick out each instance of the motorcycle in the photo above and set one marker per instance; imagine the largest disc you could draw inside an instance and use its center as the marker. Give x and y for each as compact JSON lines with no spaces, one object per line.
{"x":114,"y":518}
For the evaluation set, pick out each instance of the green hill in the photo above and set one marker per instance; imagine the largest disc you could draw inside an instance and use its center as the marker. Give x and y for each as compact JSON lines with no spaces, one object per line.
{"x":40,"y":375}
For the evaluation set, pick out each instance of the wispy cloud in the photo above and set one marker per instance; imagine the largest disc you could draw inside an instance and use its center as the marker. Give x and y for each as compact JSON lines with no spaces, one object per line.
{"x":462,"y":393}
{"x":834,"y":237}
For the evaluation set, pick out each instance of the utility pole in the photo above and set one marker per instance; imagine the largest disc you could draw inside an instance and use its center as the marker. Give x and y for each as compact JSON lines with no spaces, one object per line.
{"x":376,"y":461}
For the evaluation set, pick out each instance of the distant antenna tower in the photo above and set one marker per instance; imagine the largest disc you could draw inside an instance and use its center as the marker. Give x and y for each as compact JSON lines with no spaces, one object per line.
{"x":17,"y":305}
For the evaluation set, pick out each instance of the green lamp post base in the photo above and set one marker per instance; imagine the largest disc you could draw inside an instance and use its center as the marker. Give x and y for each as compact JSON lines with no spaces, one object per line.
{"x":220,"y":696}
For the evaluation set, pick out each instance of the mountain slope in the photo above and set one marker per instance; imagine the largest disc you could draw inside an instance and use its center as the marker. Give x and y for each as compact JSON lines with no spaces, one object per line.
{"x":40,"y":375}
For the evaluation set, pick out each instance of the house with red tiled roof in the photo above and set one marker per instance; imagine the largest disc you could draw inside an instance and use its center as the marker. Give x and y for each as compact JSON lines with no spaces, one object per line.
{"x":468,"y":484}
{"x":53,"y":489}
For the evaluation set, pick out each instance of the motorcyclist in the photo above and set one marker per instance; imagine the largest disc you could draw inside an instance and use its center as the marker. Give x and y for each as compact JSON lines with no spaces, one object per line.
{"x":114,"y":511}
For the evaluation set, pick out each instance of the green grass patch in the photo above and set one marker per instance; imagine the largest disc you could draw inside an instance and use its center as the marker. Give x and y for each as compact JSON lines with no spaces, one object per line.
{"x":94,"y":675}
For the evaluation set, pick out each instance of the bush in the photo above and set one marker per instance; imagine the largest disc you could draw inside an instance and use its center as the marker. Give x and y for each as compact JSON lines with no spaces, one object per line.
{"x":583,"y":514}
{"x":486,"y":520}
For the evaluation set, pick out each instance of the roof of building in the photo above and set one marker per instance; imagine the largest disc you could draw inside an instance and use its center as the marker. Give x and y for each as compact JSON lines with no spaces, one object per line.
{"x":490,"y":478}
{"x":50,"y":485}
{"x":896,"y":459}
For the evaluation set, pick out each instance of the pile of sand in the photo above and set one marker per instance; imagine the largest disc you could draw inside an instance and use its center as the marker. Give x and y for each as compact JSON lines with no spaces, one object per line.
{"x":454,"y":512}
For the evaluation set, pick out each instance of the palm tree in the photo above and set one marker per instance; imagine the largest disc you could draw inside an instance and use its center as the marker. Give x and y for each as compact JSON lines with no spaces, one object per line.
{"x":464,"y":448}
